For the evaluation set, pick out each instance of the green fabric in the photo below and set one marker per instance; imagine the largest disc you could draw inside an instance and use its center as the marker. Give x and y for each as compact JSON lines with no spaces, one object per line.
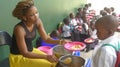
{"x":112,"y":46}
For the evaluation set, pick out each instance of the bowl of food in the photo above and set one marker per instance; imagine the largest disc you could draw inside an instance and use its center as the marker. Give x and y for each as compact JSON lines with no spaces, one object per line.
{"x":59,"y":51}
{"x":89,"y":40}
{"x":71,"y":61}
{"x":75,"y":46}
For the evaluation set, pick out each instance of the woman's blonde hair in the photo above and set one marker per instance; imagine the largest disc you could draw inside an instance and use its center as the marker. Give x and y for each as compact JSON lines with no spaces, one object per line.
{"x":21,"y":8}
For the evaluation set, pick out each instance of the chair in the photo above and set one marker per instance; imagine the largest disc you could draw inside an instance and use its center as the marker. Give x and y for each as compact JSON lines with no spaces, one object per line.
{"x":5,"y":40}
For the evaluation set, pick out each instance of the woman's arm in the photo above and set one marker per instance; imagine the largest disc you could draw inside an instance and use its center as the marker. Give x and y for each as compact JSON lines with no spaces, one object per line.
{"x":19,"y":34}
{"x":44,"y":35}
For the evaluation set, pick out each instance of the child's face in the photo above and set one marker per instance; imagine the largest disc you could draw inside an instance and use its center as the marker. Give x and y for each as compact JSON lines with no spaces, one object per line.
{"x":101,"y":32}
{"x":68,"y":21}
{"x":72,"y":15}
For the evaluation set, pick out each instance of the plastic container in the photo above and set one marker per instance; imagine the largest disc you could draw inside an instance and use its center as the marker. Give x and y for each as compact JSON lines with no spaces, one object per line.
{"x":75,"y":46}
{"x":76,"y":61}
{"x":76,"y":53}
{"x":59,"y":51}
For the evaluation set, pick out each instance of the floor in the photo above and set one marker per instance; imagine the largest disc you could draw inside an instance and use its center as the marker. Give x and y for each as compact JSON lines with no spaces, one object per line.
{"x":86,"y":55}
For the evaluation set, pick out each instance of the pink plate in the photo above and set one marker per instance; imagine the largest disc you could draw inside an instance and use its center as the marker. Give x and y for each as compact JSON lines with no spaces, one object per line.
{"x":89,"y":40}
{"x":74,"y":46}
{"x":46,"y":49}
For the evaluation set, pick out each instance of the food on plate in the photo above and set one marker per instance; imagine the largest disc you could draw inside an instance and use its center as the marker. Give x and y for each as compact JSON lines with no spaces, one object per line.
{"x":73,"y":46}
{"x":76,"y":47}
{"x":67,"y":60}
{"x":90,"y":40}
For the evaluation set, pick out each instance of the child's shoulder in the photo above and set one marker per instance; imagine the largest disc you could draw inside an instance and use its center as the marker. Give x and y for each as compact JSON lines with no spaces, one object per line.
{"x":108,"y":49}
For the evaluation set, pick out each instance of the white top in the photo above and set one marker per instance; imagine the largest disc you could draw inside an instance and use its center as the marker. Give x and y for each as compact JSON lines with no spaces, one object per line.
{"x":66,"y":31}
{"x":94,"y":36}
{"x":105,"y":56}
{"x":73,"y":22}
{"x":86,"y":26}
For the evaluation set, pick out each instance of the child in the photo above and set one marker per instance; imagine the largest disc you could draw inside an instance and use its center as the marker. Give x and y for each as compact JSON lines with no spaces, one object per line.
{"x":93,"y":30}
{"x":105,"y":56}
{"x":66,"y":29}
{"x":73,"y":21}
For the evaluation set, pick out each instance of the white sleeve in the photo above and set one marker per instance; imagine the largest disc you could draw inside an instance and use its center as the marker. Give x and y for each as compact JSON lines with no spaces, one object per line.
{"x":86,"y":26}
{"x":66,"y":28}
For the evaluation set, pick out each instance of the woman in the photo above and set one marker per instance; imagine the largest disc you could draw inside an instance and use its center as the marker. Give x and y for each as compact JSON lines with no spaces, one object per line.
{"x":22,"y":52}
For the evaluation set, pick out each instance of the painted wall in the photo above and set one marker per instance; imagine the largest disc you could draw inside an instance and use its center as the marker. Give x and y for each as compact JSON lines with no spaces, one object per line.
{"x":54,"y":12}
{"x":51,"y":13}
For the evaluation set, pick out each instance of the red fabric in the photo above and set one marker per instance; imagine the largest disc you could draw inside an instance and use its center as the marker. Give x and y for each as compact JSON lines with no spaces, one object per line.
{"x":118,"y":60}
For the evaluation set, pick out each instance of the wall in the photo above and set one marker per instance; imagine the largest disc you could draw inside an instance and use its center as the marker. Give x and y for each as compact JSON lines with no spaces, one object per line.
{"x":51,"y":13}
{"x":54,"y":12}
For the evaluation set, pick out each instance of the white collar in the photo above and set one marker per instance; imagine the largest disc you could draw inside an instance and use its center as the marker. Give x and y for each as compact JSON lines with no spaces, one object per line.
{"x":109,"y":39}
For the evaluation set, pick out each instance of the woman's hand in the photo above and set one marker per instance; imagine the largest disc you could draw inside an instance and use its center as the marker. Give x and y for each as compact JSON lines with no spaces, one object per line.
{"x":51,"y":58}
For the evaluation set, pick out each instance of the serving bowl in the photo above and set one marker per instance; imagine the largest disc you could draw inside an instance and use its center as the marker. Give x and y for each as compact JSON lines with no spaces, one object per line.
{"x":59,"y":51}
{"x":76,"y":61}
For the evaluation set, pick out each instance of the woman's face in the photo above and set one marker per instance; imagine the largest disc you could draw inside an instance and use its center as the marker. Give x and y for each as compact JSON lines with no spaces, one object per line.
{"x":32,"y":14}
{"x":101,"y":32}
